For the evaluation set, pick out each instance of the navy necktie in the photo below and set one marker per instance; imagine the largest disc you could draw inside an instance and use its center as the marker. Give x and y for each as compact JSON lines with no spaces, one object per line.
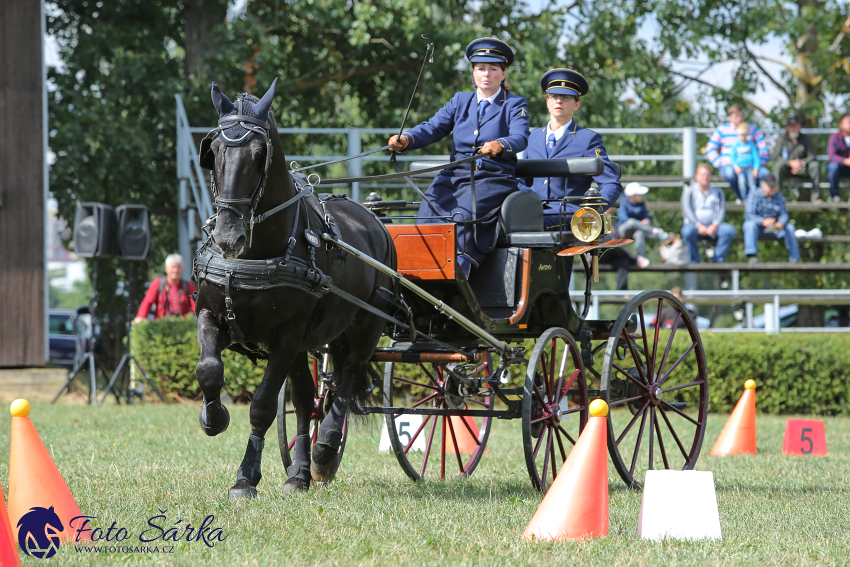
{"x":550,"y":145}
{"x":482,"y":109}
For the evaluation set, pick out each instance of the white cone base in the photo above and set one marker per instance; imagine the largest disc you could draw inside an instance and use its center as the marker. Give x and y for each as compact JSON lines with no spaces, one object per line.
{"x":679,"y":505}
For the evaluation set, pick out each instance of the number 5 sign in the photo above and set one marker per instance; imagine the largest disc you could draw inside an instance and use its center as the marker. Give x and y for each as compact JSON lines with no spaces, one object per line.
{"x":406,"y":427}
{"x":804,"y":437}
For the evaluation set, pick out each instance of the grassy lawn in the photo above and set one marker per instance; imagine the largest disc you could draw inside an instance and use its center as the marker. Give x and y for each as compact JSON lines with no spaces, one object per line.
{"x":127,"y":464}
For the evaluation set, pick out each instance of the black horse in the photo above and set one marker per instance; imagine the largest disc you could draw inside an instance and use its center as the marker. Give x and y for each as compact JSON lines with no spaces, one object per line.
{"x":264,"y":289}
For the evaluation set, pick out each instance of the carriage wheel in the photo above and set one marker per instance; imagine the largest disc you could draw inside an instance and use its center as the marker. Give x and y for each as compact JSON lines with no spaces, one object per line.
{"x":554,"y":405}
{"x":655,"y":382}
{"x":439,"y":445}
{"x":322,"y":402}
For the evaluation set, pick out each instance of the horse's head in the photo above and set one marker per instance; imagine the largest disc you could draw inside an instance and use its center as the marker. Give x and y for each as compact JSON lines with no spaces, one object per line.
{"x":239,"y":154}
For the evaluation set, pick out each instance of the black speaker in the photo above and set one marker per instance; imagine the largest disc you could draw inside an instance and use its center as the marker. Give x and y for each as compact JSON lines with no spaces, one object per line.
{"x":133,"y":236}
{"x":94,"y":230}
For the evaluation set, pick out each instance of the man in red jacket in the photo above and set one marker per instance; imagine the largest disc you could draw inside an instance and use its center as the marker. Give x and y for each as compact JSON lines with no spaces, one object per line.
{"x":171,"y":295}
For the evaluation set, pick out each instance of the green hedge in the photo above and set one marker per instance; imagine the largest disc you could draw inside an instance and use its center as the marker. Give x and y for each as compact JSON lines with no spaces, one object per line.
{"x":796,"y":373}
{"x":168,"y":350}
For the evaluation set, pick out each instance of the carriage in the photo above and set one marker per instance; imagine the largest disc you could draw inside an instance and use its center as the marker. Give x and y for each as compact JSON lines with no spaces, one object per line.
{"x":511,"y":342}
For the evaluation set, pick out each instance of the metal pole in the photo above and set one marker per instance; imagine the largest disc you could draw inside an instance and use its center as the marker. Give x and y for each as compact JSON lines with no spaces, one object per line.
{"x":776,"y":312}
{"x":736,"y":277}
{"x":183,"y":230}
{"x":594,"y":310}
{"x":689,"y":151}
{"x":748,"y":309}
{"x":355,"y":168}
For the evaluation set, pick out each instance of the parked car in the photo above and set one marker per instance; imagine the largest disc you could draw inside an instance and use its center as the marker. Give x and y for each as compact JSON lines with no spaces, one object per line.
{"x":69,"y":333}
{"x":62,"y":336}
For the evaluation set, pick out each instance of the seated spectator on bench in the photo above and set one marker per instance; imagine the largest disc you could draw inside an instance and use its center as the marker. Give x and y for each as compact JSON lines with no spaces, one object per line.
{"x":670,"y":316}
{"x":634,"y":221}
{"x":794,"y":158}
{"x":718,"y":150}
{"x":703,"y":209}
{"x":838,"y":149}
{"x":767,"y":217}
{"x":745,"y":161}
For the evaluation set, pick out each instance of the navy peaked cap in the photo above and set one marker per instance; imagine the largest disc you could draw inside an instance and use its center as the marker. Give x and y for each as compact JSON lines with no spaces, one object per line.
{"x":564,"y":81}
{"x":489,"y":50}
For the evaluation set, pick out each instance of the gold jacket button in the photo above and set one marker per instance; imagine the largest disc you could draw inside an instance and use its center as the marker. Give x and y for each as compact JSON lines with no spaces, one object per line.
{"x":475,"y":133}
{"x":545,"y":182}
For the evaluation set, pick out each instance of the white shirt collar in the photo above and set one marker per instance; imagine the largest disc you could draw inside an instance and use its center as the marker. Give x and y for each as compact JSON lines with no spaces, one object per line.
{"x":560,"y":131}
{"x":489,"y":99}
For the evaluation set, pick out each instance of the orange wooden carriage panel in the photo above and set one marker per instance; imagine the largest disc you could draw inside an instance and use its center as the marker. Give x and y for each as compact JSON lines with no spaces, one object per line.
{"x":425,"y":251}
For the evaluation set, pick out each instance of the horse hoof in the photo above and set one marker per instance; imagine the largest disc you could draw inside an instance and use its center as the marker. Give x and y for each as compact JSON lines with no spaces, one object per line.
{"x":242,"y":490}
{"x":323,"y":472}
{"x":213,"y":431}
{"x":296,"y":484}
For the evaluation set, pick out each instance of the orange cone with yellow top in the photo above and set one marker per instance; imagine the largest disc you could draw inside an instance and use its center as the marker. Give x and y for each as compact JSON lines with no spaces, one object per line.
{"x":739,"y":434}
{"x":34,"y":480}
{"x":9,"y":556}
{"x":576,"y":505}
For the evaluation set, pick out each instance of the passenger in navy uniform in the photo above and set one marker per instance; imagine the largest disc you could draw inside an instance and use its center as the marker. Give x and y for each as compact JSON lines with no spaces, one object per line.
{"x":489,"y":120}
{"x":563,"y":138}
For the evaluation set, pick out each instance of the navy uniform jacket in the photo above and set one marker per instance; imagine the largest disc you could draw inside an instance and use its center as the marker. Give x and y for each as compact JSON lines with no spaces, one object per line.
{"x":576,"y":142}
{"x":505,"y":120}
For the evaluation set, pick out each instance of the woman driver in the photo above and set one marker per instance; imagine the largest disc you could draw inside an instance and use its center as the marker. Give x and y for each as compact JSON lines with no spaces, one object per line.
{"x":489,"y":120}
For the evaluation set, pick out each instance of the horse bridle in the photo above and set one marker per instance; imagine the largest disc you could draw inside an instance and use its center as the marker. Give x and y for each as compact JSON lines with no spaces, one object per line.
{"x":261,"y":128}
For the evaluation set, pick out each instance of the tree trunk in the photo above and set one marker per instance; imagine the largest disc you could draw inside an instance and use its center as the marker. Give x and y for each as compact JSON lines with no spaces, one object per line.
{"x":805,"y":46}
{"x":200,"y":18}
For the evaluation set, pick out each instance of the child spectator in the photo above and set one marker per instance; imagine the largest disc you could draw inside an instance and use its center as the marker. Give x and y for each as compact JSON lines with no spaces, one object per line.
{"x":745,"y":161}
{"x":635,"y":222}
{"x":718,"y":150}
{"x":767,"y":217}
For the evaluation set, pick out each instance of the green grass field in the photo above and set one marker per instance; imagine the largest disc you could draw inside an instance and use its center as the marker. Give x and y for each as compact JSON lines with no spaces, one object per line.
{"x":125,"y":464}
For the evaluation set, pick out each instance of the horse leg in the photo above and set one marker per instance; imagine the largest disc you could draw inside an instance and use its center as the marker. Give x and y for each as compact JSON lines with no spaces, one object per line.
{"x":263,"y":413}
{"x":325,"y":461}
{"x":303,"y":392}
{"x":214,"y":417}
{"x":355,"y":347}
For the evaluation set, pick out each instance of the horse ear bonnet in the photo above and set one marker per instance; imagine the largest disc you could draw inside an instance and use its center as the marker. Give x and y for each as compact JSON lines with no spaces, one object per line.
{"x":249,"y":105}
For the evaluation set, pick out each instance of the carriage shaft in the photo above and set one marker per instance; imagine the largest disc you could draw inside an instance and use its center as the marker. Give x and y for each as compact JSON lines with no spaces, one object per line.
{"x":504,"y":350}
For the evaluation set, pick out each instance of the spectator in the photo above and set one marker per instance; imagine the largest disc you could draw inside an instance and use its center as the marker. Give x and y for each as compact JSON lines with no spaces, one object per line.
{"x":719,"y":148}
{"x":703,"y":209}
{"x":838,"y":149}
{"x":745,"y":161}
{"x":767,"y":217}
{"x":794,"y":156}
{"x":171,"y":295}
{"x":635,"y":222}
{"x":670,"y":314}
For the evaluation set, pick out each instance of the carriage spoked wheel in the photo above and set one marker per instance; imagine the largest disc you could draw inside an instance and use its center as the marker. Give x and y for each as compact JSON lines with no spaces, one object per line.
{"x":322,"y":401}
{"x":554,"y":405}
{"x":655,"y":382}
{"x":435,"y":445}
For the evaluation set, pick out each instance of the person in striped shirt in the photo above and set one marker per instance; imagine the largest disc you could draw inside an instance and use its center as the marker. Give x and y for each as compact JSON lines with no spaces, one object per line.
{"x":838,"y":149}
{"x":719,"y":148}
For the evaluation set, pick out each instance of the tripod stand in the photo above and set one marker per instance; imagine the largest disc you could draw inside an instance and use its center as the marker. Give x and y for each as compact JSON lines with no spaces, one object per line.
{"x":128,"y":357}
{"x":89,"y":359}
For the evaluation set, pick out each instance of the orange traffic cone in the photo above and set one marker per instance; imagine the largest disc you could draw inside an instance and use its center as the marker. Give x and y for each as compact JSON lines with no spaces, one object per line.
{"x":466,"y":442}
{"x":739,"y":434}
{"x":8,"y":547}
{"x":34,"y":480}
{"x":576,"y":505}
